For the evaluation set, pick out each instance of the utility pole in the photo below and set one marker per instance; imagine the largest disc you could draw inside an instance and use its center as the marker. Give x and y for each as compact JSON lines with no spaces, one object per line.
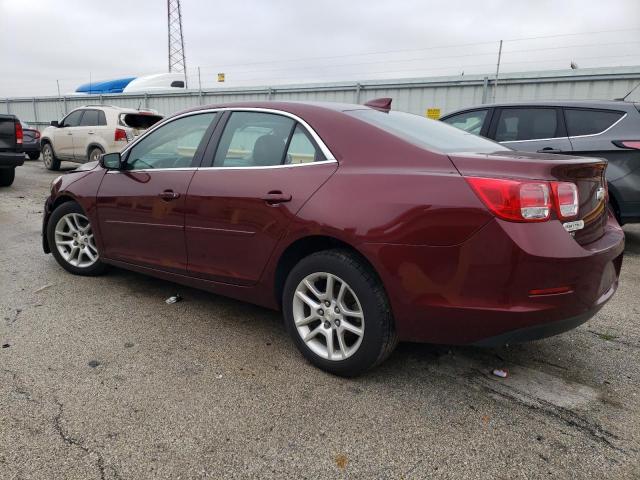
{"x":495,"y":83}
{"x":177,"y":59}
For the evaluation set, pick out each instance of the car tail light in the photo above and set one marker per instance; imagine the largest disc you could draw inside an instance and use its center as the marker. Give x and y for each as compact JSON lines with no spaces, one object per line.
{"x":19,"y":133}
{"x":566,"y":196}
{"x":526,"y":200}
{"x":514,"y":200}
{"x":633,"y":144}
{"x":120,"y":135}
{"x":36,"y":134}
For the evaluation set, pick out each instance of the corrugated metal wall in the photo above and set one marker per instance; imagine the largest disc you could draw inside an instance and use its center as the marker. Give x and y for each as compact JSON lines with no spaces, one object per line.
{"x":410,"y":95}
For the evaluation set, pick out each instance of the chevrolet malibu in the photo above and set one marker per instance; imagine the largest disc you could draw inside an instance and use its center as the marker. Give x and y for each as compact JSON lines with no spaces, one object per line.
{"x":365,"y":226}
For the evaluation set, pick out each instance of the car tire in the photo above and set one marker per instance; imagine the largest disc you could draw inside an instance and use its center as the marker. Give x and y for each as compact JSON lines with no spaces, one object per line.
{"x":7,"y":175}
{"x":33,"y":155}
{"x":49,"y":157}
{"x":353,"y":323}
{"x":94,"y":154}
{"x":71,"y":242}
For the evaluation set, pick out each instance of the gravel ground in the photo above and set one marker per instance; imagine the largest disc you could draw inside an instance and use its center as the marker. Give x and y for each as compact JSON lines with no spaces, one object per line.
{"x":99,"y":378}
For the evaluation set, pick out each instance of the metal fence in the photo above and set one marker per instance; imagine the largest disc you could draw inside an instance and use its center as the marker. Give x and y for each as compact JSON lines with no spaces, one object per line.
{"x":412,"y":95}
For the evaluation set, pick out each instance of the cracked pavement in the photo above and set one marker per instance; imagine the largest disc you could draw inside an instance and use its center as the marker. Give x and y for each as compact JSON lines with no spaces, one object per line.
{"x":100,"y":379}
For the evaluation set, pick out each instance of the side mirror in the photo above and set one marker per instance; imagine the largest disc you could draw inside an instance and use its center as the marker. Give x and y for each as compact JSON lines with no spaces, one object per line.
{"x":111,"y":161}
{"x":55,"y":123}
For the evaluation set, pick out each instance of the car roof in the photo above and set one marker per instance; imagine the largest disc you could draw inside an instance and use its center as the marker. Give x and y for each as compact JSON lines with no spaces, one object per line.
{"x":287,"y":106}
{"x":605,"y":104}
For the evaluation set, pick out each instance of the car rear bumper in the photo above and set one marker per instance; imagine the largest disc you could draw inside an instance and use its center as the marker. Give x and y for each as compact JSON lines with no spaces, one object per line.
{"x":480,"y":292}
{"x":31,"y":147}
{"x":11,"y":160}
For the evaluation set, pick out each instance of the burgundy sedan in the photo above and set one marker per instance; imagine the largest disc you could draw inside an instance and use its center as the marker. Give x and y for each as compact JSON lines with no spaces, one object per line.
{"x":365,"y":226}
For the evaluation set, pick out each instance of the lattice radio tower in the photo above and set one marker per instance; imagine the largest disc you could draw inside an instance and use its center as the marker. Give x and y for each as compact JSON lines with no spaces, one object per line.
{"x":177,"y":59}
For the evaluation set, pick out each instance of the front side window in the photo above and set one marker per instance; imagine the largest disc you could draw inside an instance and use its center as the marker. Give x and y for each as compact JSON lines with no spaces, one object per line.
{"x":469,"y":121}
{"x":254,"y":139}
{"x":90,"y":118}
{"x":172,"y":145}
{"x":427,"y":133}
{"x":73,"y":119}
{"x":517,"y":124}
{"x":589,"y":122}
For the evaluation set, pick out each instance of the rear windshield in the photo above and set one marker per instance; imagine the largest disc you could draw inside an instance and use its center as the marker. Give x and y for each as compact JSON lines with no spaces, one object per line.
{"x":427,"y":133}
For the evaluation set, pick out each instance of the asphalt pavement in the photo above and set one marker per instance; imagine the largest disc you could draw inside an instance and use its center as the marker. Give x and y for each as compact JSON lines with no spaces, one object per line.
{"x":101,"y":379}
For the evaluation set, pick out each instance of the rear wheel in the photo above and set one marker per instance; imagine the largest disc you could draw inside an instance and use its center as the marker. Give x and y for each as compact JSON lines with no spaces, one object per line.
{"x":72,"y":242}
{"x":33,"y":155}
{"x":338,"y":314}
{"x":94,"y":154}
{"x":48,"y":157}
{"x":7,"y":176}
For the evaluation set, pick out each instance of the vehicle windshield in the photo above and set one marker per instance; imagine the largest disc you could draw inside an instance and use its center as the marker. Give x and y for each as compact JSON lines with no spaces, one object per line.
{"x":427,"y":133}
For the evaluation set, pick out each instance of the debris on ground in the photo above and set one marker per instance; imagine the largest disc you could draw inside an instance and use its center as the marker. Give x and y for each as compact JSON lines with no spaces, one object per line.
{"x":498,"y":372}
{"x":94,"y":363}
{"x":175,"y":299}
{"x":44,"y":287}
{"x":5,"y":345}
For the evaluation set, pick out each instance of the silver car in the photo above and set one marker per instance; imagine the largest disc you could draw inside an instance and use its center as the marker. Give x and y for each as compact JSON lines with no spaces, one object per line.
{"x":606,"y":129}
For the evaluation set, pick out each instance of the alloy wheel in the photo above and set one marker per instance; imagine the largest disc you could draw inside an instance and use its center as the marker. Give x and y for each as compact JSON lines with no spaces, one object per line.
{"x":328,"y":316}
{"x":47,"y":156}
{"x":74,"y":240}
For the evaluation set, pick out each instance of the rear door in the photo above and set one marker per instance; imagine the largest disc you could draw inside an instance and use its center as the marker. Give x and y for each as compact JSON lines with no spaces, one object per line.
{"x":83,"y":134}
{"x":530,"y":129}
{"x":141,"y":209}
{"x":265,"y":167}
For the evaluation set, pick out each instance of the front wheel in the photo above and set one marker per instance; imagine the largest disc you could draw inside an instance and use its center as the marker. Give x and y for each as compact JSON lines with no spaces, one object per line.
{"x":48,"y":157}
{"x":72,"y":242}
{"x":338,"y":314}
{"x":7,"y":175}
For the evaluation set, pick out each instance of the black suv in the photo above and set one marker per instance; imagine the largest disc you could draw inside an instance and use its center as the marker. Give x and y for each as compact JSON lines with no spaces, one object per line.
{"x":606,"y":129}
{"x":11,"y":155}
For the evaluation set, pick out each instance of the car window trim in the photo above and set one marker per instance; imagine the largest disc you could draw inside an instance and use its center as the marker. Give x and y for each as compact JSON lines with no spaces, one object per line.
{"x":606,"y":110}
{"x":329,"y":157}
{"x":560,"y":125}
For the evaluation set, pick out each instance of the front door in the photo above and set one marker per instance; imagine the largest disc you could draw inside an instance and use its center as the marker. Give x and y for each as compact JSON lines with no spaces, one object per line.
{"x":266,"y":167}
{"x":141,"y":208}
{"x":531,"y":129}
{"x":63,"y":135}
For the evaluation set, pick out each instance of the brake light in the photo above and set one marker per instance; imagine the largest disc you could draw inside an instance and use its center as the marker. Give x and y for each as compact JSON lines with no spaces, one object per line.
{"x":120,"y":135}
{"x":566,"y":196}
{"x":514,"y":200}
{"x":526,"y":200}
{"x":633,"y":144}
{"x":19,"y":133}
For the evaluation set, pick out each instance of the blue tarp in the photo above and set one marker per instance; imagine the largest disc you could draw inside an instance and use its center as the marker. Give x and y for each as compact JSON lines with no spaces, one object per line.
{"x":107,"y":86}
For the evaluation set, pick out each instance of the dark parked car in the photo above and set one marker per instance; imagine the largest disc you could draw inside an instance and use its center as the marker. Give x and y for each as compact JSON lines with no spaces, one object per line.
{"x":31,"y":141}
{"x":11,"y":155}
{"x":603,"y":129}
{"x":365,"y":226}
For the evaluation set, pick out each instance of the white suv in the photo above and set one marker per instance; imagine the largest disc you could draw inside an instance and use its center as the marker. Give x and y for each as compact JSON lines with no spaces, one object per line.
{"x":89,"y":131}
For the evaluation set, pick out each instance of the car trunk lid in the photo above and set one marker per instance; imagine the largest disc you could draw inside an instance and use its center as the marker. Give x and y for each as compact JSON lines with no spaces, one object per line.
{"x":586,"y":173}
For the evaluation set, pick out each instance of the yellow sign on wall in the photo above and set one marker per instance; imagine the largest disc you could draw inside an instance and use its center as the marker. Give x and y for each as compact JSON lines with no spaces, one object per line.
{"x":221,"y":77}
{"x":433,"y":113}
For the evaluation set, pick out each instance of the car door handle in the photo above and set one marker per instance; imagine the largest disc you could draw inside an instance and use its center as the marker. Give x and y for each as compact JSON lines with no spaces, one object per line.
{"x":549,"y":150}
{"x":275,"y":197}
{"x":169,"y":195}
{"x":69,"y":133}
{"x":91,"y":133}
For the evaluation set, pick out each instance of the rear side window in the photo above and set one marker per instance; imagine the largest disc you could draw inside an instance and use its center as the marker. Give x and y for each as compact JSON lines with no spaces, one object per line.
{"x":252,"y":139}
{"x":302,"y":149}
{"x":526,"y":124}
{"x":468,"y":121}
{"x":102,"y":119}
{"x":426,"y":133}
{"x":589,"y":122}
{"x":90,"y":118}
